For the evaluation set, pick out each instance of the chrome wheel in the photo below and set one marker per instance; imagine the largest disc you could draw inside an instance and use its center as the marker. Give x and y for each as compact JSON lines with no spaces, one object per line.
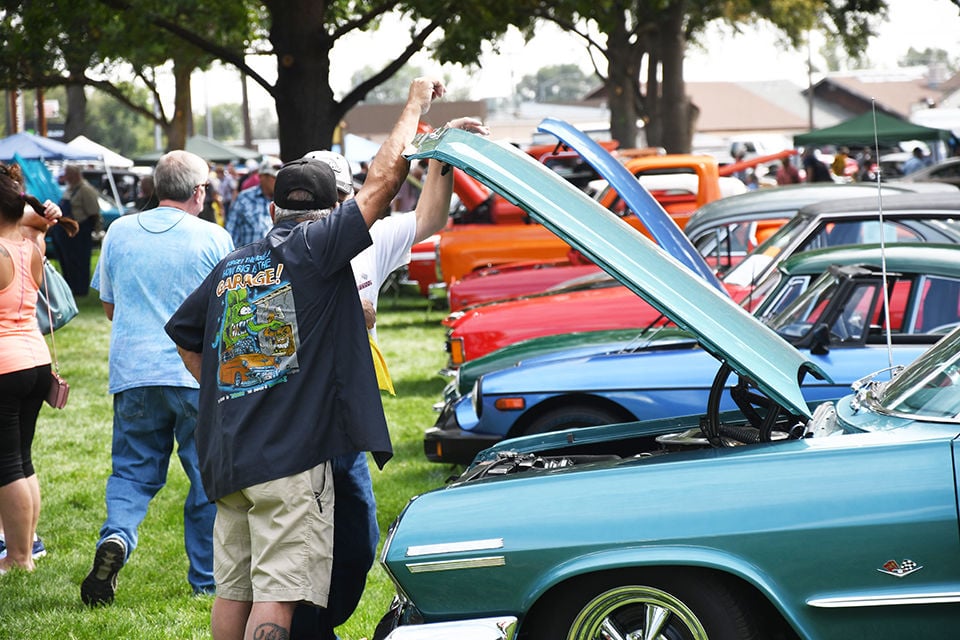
{"x":636,"y":613}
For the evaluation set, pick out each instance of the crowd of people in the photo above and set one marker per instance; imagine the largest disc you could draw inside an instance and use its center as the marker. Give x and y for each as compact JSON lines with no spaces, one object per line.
{"x":844,"y":166}
{"x":286,"y":277}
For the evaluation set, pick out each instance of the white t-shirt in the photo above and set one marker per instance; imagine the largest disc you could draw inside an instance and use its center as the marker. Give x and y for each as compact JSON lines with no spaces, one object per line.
{"x":392,"y":240}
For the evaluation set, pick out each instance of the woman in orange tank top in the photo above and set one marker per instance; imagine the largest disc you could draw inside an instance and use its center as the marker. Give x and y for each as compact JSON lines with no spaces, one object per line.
{"x":24,"y":361}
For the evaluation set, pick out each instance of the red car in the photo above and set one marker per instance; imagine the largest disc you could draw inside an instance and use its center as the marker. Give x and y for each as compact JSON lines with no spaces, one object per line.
{"x":520,"y":279}
{"x":907,"y":218}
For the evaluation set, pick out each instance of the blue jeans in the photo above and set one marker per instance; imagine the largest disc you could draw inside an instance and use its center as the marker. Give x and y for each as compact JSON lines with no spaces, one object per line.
{"x":355,"y":537}
{"x":146,"y":420}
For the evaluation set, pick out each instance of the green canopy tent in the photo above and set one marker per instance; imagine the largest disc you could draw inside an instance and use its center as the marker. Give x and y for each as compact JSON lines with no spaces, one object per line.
{"x":208,"y":149}
{"x":860,"y":131}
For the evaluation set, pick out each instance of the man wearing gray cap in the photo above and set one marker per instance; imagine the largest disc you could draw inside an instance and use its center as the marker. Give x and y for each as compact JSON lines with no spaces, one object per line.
{"x":275,"y":336}
{"x":249,"y":217}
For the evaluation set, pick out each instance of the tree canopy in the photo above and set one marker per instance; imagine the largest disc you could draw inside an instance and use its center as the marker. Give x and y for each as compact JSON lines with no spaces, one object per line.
{"x":555,"y":83}
{"x":637,"y":46}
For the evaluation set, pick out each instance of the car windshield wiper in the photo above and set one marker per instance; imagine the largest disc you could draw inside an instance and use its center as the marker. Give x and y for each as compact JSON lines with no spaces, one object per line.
{"x":642,"y":340}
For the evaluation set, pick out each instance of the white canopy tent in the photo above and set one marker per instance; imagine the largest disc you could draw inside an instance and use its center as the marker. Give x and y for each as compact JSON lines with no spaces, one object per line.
{"x":109,"y":158}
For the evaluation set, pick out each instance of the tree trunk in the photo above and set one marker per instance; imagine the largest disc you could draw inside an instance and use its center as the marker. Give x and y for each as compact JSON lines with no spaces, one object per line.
{"x":182,"y":111}
{"x":622,"y":84}
{"x":75,"y":123}
{"x":676,"y":117}
{"x":306,"y":109}
{"x":245,"y":113}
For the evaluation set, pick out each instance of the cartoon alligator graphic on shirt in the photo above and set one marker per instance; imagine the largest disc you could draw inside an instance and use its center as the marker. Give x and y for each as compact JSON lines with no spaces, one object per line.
{"x":238,"y":322}
{"x":251,"y":351}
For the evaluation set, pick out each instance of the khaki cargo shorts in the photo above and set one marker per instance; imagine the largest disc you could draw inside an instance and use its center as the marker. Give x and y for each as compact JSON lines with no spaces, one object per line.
{"x":273,"y":542}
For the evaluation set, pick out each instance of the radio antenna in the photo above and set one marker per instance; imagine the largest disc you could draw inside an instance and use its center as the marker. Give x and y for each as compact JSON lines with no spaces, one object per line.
{"x":883,"y":247}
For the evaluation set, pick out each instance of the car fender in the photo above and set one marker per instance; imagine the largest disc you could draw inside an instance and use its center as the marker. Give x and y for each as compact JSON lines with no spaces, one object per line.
{"x":640,"y":557}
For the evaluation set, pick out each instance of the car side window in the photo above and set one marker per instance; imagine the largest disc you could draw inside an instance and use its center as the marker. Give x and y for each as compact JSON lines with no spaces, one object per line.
{"x":859,"y":232}
{"x":938,"y":307}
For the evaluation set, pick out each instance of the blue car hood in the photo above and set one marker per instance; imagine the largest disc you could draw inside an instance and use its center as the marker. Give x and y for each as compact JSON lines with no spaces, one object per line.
{"x":657,"y":221}
{"x":724,"y":329}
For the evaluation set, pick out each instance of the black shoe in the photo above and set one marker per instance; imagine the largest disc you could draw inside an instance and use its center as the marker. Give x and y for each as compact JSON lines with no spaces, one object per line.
{"x":100,"y":584}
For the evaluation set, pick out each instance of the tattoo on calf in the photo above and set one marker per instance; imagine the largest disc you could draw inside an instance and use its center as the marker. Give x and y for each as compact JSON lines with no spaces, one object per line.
{"x":270,"y":631}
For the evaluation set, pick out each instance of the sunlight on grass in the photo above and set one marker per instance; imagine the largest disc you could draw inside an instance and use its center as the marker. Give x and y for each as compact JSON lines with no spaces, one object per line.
{"x":154,"y":601}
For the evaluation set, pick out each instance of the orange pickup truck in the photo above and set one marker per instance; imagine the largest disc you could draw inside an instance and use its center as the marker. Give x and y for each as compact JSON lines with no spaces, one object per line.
{"x":680,"y":182}
{"x":482,"y":208}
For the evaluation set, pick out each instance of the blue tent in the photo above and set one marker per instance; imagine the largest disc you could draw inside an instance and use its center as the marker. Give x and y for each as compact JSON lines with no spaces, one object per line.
{"x":34,"y":147}
{"x":40,"y":183}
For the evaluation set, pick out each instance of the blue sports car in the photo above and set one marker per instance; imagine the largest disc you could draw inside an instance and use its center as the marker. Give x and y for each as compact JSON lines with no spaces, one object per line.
{"x":539,"y":386}
{"x":779,"y":520}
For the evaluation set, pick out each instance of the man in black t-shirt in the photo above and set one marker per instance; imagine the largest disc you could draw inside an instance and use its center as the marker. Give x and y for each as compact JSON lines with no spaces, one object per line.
{"x":277,"y":339}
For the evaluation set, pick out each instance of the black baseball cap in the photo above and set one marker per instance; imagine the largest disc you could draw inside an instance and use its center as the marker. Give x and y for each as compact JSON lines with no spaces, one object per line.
{"x":314,"y":177}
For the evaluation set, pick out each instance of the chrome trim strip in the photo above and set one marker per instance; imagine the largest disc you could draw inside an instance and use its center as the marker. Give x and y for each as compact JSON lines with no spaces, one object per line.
{"x":454,"y":547}
{"x":456,"y":565}
{"x":885,"y":601}
{"x":503,"y":628}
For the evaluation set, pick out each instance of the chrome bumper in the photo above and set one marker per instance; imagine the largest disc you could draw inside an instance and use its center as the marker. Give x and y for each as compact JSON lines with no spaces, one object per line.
{"x":503,"y":628}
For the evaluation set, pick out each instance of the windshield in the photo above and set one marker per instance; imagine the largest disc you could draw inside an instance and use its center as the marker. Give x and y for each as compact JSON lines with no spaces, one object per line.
{"x":930,"y":387}
{"x":725,"y":246}
{"x":755,"y":264}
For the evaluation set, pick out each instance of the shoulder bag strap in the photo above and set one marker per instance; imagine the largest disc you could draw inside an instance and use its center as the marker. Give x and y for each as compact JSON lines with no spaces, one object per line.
{"x":46,"y":292}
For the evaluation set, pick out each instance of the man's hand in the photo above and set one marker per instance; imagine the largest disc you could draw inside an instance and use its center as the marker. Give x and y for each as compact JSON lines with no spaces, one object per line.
{"x":423,"y":91}
{"x":472,"y":125}
{"x":369,"y":314}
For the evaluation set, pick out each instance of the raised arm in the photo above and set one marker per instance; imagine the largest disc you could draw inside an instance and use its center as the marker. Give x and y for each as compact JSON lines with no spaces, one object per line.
{"x":35,"y":222}
{"x":388,"y":168}
{"x":433,"y":207}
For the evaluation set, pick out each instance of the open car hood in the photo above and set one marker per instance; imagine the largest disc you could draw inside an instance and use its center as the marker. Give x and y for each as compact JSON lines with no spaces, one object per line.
{"x":657,"y":221}
{"x":724,"y":329}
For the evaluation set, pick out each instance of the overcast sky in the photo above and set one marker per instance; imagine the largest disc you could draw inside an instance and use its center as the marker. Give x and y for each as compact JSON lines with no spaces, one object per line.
{"x":753,"y":55}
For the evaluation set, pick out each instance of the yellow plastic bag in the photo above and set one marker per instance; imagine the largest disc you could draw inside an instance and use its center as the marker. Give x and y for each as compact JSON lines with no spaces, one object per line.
{"x":383,"y":375}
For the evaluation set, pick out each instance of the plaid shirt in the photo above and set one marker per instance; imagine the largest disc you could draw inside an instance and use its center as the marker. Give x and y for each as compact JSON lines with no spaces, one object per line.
{"x":249,"y":217}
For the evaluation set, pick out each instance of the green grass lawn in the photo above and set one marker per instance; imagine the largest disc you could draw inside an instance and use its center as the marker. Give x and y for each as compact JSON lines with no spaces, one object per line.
{"x":72,"y":457}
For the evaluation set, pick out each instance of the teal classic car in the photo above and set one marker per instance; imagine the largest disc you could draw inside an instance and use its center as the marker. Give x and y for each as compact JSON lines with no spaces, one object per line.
{"x":780,"y":520}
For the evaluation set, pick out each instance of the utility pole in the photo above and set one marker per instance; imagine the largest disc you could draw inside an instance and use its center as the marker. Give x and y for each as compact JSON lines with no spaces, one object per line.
{"x":809,"y":82}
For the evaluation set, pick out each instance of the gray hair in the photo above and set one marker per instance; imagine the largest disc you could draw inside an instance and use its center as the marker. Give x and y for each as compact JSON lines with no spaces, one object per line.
{"x":281,"y":215}
{"x":177,"y":175}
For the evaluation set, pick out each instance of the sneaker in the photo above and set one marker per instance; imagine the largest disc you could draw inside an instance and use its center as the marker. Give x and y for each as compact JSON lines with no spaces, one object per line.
{"x":100,"y":584}
{"x":38,"y":549}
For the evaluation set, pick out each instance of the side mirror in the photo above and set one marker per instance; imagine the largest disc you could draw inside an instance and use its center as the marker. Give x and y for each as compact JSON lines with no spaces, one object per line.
{"x":820,"y":340}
